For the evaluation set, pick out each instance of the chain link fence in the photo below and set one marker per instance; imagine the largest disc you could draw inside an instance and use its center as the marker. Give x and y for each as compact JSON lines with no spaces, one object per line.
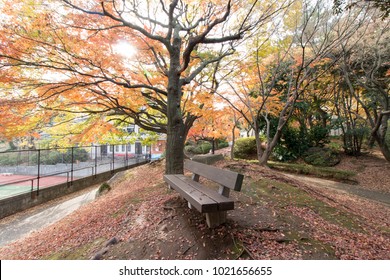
{"x":24,"y":171}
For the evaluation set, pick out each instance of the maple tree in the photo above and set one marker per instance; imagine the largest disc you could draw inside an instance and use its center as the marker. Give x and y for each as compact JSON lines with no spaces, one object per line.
{"x":61,"y":57}
{"x":85,"y":69}
{"x":214,"y":125}
{"x":273,"y":80}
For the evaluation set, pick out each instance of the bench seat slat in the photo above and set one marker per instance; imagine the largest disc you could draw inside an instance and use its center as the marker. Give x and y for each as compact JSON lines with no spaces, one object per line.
{"x":201,"y":198}
{"x":196,"y":198}
{"x":224,"y":203}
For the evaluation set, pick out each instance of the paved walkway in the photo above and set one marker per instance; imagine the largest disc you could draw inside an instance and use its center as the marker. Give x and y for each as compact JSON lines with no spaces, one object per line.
{"x":352,"y":189}
{"x":27,"y":223}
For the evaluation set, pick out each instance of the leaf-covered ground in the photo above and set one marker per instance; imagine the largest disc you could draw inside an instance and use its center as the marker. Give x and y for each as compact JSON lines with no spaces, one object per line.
{"x":276,"y":217}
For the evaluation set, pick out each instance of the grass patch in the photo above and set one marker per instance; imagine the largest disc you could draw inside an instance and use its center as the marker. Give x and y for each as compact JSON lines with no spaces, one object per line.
{"x":322,"y":172}
{"x":283,"y":194}
{"x":317,"y":249}
{"x":84,"y":252}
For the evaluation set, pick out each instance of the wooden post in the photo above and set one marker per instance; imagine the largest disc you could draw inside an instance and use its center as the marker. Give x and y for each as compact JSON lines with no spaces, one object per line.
{"x":224,"y":191}
{"x":215,"y":219}
{"x":195,"y":177}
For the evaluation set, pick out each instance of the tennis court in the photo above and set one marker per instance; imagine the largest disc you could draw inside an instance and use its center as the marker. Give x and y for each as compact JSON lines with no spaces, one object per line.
{"x":11,"y":184}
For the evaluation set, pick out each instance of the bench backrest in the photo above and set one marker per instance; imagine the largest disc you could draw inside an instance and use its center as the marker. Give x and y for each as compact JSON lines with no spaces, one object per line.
{"x":225,"y":178}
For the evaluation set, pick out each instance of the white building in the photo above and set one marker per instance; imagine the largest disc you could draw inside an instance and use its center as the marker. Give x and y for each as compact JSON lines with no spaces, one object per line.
{"x":132,"y":149}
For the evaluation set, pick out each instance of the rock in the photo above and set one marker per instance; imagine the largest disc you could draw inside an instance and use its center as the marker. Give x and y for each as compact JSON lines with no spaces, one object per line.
{"x":99,"y":255}
{"x":112,"y":241}
{"x":103,"y":189}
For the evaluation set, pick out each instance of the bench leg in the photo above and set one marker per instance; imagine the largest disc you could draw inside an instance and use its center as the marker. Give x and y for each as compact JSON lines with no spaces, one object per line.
{"x":215,"y":219}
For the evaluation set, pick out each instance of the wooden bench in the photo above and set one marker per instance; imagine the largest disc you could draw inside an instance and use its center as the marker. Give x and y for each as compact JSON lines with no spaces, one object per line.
{"x":206,"y":200}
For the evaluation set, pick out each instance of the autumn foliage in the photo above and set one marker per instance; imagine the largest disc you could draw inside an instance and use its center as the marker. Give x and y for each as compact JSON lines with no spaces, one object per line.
{"x":81,"y":70}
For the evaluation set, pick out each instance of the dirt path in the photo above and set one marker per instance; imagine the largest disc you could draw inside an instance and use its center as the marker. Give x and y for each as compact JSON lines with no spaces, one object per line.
{"x":351,"y":189}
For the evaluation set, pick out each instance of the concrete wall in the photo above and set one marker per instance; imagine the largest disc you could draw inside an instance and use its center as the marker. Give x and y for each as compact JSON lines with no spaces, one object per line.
{"x":21,"y":202}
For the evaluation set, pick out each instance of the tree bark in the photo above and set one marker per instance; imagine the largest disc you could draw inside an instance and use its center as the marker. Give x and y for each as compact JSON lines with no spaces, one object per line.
{"x":213,"y":146}
{"x":259,"y":149}
{"x":233,"y":143}
{"x":176,"y":129}
{"x":379,"y":134}
{"x":385,"y":149}
{"x":284,"y":116}
{"x":271,"y":145}
{"x":174,"y":148}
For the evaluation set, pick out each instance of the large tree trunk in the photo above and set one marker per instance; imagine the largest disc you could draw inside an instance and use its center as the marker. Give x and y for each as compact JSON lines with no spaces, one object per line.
{"x":175,"y":148}
{"x":270,"y":146}
{"x":283,"y":118}
{"x":176,"y":129}
{"x":379,"y":134}
{"x":176,"y":136}
{"x":233,"y":143}
{"x":259,"y":149}
{"x":385,"y":149}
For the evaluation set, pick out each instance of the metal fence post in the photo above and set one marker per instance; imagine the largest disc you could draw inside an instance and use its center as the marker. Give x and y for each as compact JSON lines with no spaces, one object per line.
{"x":96,"y":159}
{"x":113,"y":158}
{"x":127,"y":156}
{"x":39,"y":170}
{"x":71,"y":167}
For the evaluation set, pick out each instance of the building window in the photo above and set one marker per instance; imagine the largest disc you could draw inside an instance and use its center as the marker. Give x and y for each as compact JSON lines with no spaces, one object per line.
{"x":130,"y":128}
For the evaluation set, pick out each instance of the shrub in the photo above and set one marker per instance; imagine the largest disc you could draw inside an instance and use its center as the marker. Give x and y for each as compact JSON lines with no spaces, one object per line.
{"x":292,"y":145}
{"x":8,"y":159}
{"x":53,"y":157}
{"x":50,"y":157}
{"x":189,"y":149}
{"x":296,"y":141}
{"x":321,"y":157}
{"x":78,"y":155}
{"x":222,"y":144}
{"x":202,"y":147}
{"x":318,"y":136}
{"x":353,"y":140}
{"x":282,"y":153}
{"x":245,"y":148}
{"x":16,"y":158}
